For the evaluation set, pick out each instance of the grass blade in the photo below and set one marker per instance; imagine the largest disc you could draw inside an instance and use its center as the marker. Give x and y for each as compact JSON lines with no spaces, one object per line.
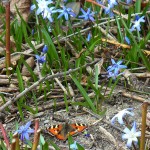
{"x":83,"y":92}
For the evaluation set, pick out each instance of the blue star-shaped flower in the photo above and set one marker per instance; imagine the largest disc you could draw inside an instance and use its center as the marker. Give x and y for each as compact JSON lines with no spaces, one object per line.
{"x":66,"y":12}
{"x":44,"y":9}
{"x":42,"y":6}
{"x":40,"y":59}
{"x":108,"y":10}
{"x":131,"y":135}
{"x":113,"y":75}
{"x":137,"y":22}
{"x":87,"y":15}
{"x":48,"y":13}
{"x":112,"y":3}
{"x":45,"y":49}
{"x":88,"y":37}
{"x":121,"y":114}
{"x":24,"y":131}
{"x":128,"y":1}
{"x":115,"y":67}
{"x":127,"y":40}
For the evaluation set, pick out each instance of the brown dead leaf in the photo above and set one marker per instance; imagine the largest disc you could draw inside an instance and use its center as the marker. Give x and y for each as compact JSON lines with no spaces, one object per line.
{"x":31,"y":63}
{"x":23,"y":7}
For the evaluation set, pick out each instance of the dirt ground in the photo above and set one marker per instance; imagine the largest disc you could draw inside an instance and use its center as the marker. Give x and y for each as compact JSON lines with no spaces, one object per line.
{"x":101,"y":134}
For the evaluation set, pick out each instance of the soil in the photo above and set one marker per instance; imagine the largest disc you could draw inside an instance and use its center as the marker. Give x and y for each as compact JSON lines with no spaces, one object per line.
{"x":100,"y":131}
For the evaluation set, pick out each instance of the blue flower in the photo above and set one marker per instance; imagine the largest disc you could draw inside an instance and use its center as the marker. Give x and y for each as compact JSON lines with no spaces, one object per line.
{"x":24,"y":131}
{"x":116,"y":66}
{"x":113,"y":75}
{"x":44,"y":9}
{"x":121,"y":114}
{"x":45,"y":49}
{"x":127,"y":40}
{"x":88,"y":37}
{"x":42,"y":6}
{"x":108,"y":10}
{"x":131,"y":135}
{"x":86,"y":134}
{"x":137,"y":24}
{"x":40,"y":59}
{"x":87,"y":15}
{"x":32,"y":32}
{"x":66,"y":12}
{"x":48,"y":13}
{"x":128,"y":1}
{"x":74,"y":146}
{"x":99,"y":2}
{"x":112,"y":3}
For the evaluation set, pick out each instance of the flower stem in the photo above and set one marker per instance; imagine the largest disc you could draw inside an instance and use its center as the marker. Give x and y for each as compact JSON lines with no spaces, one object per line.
{"x":13,"y":144}
{"x":36,"y":127}
{"x":36,"y":137}
{"x":4,"y":135}
{"x":143,"y":128}
{"x":15,"y":136}
{"x":7,"y":8}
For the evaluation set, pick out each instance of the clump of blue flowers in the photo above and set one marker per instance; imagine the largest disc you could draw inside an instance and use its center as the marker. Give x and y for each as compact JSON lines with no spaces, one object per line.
{"x":25,"y":131}
{"x":131,"y":135}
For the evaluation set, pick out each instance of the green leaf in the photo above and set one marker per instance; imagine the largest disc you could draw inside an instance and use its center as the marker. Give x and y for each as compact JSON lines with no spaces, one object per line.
{"x":54,"y":145}
{"x":45,"y":146}
{"x":138,"y":6}
{"x":83,"y":92}
{"x":21,"y":87}
{"x":66,"y":102}
{"x":2,"y":145}
{"x":42,"y":139}
{"x":52,"y":52}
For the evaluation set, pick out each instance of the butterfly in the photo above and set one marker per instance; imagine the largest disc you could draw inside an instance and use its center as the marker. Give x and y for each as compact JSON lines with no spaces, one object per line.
{"x":62,"y":131}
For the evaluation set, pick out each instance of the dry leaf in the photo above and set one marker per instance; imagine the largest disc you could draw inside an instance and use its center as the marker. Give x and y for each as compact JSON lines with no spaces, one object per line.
{"x":23,"y":7}
{"x":31,"y":63}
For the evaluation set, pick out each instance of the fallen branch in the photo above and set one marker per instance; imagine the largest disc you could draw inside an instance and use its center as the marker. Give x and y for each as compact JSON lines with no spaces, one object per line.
{"x":135,"y":97}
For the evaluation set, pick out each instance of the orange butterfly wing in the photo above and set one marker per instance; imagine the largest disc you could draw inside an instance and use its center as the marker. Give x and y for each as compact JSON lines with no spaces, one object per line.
{"x":78,"y":128}
{"x":56,"y":131}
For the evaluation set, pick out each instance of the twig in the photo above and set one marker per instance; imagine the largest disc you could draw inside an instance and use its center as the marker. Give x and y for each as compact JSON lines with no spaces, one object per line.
{"x":143,"y":75}
{"x":135,"y":97}
{"x":143,"y":128}
{"x":59,"y":83}
{"x":47,"y":77}
{"x":105,"y":33}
